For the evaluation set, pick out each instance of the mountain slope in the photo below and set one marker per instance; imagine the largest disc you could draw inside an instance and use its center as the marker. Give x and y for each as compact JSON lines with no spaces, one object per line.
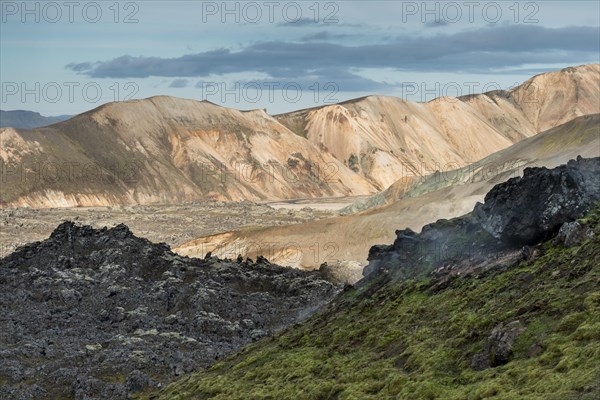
{"x":387,"y":138}
{"x":447,"y":195}
{"x":565,"y":142}
{"x":166,"y":150}
{"x":27,"y":119}
{"x":460,"y":311}
{"x":553,"y":98}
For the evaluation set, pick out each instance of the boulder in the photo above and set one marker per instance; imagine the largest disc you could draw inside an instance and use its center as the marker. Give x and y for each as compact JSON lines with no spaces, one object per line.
{"x":500,"y":343}
{"x":573,"y":233}
{"x":499,"y":346}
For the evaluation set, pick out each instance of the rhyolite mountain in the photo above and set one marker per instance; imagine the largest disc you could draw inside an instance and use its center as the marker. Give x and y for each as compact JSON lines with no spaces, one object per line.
{"x":169,"y":150}
{"x":385,"y":138}
{"x":502,"y":302}
{"x":166,"y":150}
{"x":100,"y":313}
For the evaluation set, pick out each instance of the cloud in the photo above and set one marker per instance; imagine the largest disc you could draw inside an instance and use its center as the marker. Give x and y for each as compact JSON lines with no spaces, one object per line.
{"x":298,"y":23}
{"x":438,"y":23}
{"x":311,"y":23}
{"x":323,"y":36}
{"x":483,"y":50}
{"x":179,"y":83}
{"x":80,"y":67}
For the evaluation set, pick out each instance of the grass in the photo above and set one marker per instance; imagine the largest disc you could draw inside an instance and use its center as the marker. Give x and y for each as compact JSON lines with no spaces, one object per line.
{"x":402,"y":341}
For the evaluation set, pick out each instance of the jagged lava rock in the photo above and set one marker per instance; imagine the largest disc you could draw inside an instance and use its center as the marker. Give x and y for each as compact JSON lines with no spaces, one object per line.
{"x":528,"y":209}
{"x":516,"y":213}
{"x":100,"y":313}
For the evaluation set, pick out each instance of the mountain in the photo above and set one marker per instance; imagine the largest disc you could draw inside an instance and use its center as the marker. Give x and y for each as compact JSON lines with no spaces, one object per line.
{"x":169,"y":150}
{"x":577,"y":137}
{"x":464,"y":309}
{"x":432,"y":197}
{"x":27,"y":119}
{"x":100,"y":313}
{"x":553,"y":98}
{"x":386,"y":138}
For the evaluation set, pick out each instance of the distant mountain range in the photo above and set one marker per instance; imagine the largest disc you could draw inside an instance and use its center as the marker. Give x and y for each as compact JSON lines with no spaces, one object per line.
{"x":27,"y":119}
{"x":168,"y":150}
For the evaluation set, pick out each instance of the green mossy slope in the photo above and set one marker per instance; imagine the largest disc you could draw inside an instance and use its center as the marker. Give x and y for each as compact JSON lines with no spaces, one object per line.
{"x":402,"y":341}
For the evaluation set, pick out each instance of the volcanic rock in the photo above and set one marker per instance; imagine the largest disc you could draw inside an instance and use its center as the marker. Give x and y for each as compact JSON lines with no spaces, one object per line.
{"x":100,"y":313}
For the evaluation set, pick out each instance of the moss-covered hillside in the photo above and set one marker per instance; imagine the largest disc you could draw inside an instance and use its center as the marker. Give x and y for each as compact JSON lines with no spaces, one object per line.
{"x":405,"y":341}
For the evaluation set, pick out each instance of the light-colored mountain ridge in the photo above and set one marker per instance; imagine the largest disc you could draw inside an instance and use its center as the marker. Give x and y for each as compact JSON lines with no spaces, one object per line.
{"x":169,"y":150}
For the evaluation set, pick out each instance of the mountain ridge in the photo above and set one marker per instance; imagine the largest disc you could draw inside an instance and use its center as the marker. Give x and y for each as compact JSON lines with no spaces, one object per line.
{"x":435,"y":132}
{"x":28,"y":119}
{"x":165,"y":149}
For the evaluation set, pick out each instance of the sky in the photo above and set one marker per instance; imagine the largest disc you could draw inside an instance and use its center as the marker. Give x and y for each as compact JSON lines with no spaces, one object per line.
{"x":67,"y":57}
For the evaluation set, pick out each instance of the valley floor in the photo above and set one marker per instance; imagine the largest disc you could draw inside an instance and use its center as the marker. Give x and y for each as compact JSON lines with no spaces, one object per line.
{"x":322,"y":204}
{"x":171,"y":224}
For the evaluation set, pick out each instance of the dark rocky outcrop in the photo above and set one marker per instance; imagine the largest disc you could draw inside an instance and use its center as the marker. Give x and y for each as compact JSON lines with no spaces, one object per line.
{"x":519,"y":212}
{"x":440,"y":247}
{"x":90,"y":313}
{"x":531,"y":208}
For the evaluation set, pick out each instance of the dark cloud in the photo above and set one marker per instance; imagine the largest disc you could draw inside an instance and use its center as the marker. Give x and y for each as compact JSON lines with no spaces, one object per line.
{"x":323,"y":36}
{"x":80,"y":67}
{"x":298,"y":23}
{"x":438,"y":23}
{"x":483,"y":50}
{"x":179,"y":83}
